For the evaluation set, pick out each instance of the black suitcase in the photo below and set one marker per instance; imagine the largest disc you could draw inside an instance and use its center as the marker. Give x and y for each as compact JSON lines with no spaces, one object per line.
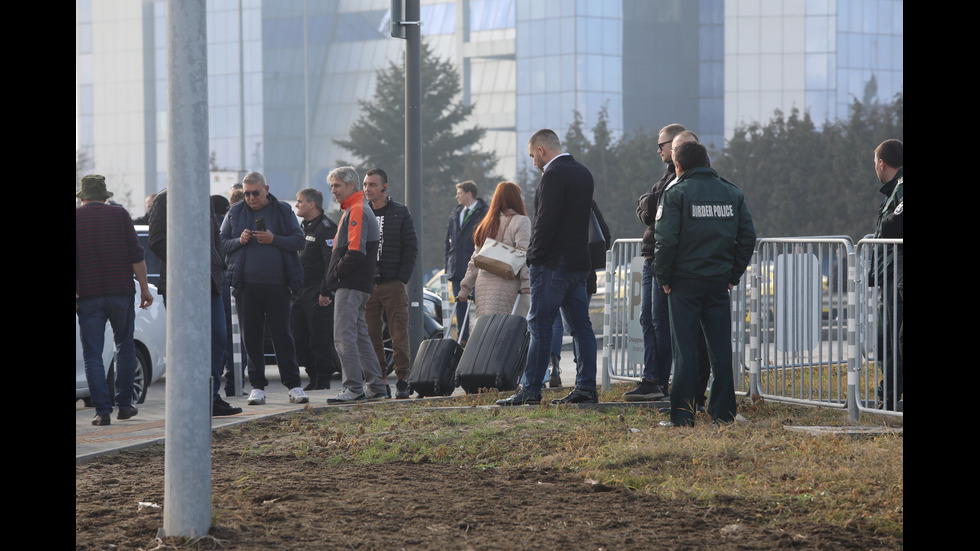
{"x":495,"y":355}
{"x":434,"y":369}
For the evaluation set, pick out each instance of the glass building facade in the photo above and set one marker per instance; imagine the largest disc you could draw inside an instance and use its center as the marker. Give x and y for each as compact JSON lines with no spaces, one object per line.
{"x":285,"y":76}
{"x":814,"y":55}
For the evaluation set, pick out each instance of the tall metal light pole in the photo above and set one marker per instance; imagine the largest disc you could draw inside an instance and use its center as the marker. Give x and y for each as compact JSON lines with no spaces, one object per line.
{"x":409,"y":28}
{"x":187,"y":458}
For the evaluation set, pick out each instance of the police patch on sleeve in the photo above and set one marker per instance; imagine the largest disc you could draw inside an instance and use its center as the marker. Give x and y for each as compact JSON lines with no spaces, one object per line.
{"x":330,"y":242}
{"x":660,"y":211}
{"x":715,"y":211}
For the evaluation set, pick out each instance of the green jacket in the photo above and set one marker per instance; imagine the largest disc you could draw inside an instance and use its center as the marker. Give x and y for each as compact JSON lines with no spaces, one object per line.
{"x":703,"y":230}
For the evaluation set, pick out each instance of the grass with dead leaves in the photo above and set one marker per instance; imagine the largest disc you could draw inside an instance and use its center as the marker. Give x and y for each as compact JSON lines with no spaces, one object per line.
{"x":835,"y":480}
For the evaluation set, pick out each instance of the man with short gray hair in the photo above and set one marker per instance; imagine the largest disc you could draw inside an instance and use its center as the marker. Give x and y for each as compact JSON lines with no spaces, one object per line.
{"x":261,"y":241}
{"x":350,"y":280}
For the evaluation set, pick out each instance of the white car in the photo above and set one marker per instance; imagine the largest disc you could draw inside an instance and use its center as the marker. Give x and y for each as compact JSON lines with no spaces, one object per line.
{"x":150,"y":336}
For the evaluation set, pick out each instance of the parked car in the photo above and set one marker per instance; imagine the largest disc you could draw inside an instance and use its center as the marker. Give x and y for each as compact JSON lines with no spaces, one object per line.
{"x":150,"y":336}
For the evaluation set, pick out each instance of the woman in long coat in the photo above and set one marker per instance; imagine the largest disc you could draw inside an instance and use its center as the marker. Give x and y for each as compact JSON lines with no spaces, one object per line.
{"x":507,"y":222}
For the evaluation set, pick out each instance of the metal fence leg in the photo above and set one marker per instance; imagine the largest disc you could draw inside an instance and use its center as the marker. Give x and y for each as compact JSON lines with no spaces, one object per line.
{"x":853,"y":366}
{"x":238,"y":355}
{"x":606,"y":323}
{"x":755,"y":321}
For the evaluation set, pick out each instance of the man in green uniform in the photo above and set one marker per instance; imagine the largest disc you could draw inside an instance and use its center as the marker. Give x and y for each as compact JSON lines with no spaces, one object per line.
{"x":705,"y":238}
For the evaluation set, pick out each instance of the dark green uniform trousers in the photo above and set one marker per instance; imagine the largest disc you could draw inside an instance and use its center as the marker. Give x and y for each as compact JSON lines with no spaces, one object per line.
{"x":701,"y":304}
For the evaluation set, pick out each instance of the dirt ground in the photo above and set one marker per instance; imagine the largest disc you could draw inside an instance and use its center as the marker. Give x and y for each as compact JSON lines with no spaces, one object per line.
{"x":282,"y":502}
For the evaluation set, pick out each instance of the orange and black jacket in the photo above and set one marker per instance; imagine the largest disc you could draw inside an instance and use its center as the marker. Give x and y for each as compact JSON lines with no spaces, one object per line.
{"x":353,"y":264}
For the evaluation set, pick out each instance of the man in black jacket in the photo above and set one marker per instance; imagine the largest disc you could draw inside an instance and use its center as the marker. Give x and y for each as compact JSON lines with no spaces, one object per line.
{"x":559,"y":260}
{"x":653,"y":302}
{"x":313,"y":323}
{"x":397,"y":252}
{"x":157,"y":237}
{"x":459,"y":242}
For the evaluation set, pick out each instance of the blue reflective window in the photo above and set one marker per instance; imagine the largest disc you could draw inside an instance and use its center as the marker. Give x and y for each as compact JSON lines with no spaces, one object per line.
{"x":355,"y":27}
{"x":711,"y":12}
{"x":283,"y":33}
{"x":492,"y":14}
{"x":438,"y":18}
{"x":85,"y":96}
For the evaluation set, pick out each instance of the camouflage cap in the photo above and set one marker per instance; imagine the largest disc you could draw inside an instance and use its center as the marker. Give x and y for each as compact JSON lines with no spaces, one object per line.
{"x":93,"y":188}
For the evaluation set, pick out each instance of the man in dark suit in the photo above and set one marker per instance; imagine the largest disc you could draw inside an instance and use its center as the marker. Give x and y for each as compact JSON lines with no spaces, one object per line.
{"x":459,"y":243}
{"x":559,"y":260}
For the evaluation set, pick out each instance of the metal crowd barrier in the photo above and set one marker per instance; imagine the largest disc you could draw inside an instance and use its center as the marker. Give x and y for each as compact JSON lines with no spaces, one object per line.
{"x":879,"y":311}
{"x":805,"y":323}
{"x":622,"y":357}
{"x":622,"y":310}
{"x":799,"y":345}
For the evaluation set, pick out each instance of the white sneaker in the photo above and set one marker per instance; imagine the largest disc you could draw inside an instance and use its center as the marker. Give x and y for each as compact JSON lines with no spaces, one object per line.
{"x":297,"y":396}
{"x":256,"y":398}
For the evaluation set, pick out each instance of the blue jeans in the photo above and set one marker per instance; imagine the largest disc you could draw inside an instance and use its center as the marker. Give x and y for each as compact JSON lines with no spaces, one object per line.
{"x":657,"y":353}
{"x":93,"y":313}
{"x":554,"y":289}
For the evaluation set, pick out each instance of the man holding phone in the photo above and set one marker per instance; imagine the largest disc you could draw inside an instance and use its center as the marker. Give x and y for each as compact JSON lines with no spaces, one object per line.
{"x":261,"y":240}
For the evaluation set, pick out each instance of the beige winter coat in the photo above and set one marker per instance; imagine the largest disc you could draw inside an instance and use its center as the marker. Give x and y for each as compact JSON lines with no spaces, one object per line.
{"x":494,"y":294}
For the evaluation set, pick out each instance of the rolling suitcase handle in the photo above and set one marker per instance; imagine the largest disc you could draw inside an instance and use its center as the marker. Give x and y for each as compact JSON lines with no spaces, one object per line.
{"x":466,"y":319}
{"x":513,"y":311}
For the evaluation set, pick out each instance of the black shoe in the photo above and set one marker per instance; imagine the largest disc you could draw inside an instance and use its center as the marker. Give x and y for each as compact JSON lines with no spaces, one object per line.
{"x":310,"y":385}
{"x":521,"y":398}
{"x":388,"y":391}
{"x":126,"y":413}
{"x":579,"y":396}
{"x":220,"y":407}
{"x":555,"y":381}
{"x":644,"y":392}
{"x":401,"y":389}
{"x":101,"y":420}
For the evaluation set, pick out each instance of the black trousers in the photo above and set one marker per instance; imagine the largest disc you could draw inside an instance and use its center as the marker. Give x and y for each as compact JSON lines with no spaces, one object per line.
{"x":694,"y":305}
{"x":312,"y":326}
{"x":260,"y":303}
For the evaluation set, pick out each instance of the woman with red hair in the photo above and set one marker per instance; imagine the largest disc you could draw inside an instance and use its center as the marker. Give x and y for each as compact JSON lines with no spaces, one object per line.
{"x":507,"y":222}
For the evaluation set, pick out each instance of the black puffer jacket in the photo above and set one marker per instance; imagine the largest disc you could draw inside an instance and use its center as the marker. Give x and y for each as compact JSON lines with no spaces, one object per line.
{"x":646,"y":210}
{"x":399,"y":247}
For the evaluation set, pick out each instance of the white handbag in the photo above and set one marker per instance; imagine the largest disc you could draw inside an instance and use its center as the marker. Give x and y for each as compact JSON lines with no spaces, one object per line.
{"x":500,"y":259}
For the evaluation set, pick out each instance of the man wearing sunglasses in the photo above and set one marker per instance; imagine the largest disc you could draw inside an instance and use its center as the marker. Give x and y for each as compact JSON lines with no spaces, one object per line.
{"x":261,"y":240}
{"x":657,"y":356}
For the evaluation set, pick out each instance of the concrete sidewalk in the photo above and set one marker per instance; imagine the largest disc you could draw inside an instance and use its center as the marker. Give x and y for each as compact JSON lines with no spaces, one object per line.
{"x":147,"y":427}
